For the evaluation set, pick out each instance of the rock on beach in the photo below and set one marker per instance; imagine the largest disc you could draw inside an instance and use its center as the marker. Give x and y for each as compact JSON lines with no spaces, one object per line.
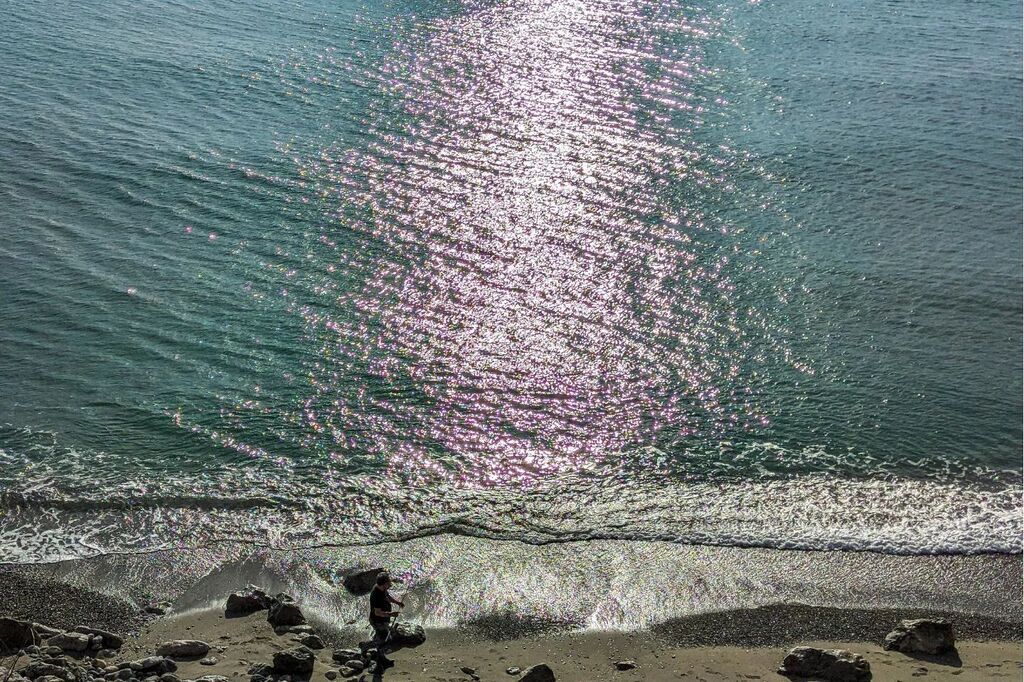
{"x":538,"y":673}
{"x":834,"y":665}
{"x":183,"y":648}
{"x":921,"y":636}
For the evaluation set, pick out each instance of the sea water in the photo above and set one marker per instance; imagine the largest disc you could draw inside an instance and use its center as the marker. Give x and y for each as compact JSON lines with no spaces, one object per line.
{"x":339,"y":273}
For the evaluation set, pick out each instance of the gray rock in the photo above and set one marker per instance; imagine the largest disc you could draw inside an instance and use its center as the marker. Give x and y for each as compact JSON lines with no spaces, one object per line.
{"x":513,"y":670}
{"x":834,"y":665}
{"x":153,"y":665}
{"x":125,"y":674}
{"x":49,"y":678}
{"x":538,"y":673}
{"x":37,"y":669}
{"x":183,"y":648}
{"x":249,"y":600}
{"x":470,"y":671}
{"x":158,"y":609}
{"x":331,"y":674}
{"x":921,"y":636}
{"x":284,"y":611}
{"x":32,"y":650}
{"x":299,"y":660}
{"x":44,"y":631}
{"x":106,"y":653}
{"x":405,"y":635}
{"x":70,"y":641}
{"x":211,"y":678}
{"x":52,"y":650}
{"x":347,"y":671}
{"x":209,"y":660}
{"x":361,"y":582}
{"x":294,"y":630}
{"x":110,"y":640}
{"x":312,"y":641}
{"x":342,"y":655}
{"x":16,"y":634}
{"x":625,"y":665}
{"x":169,"y":677}
{"x":356,"y":664}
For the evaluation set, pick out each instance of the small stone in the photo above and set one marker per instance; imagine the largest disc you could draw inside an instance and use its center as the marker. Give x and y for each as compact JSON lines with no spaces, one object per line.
{"x":52,"y":650}
{"x":106,"y":653}
{"x":211,"y":678}
{"x":513,"y":670}
{"x":183,"y":648}
{"x":331,"y":674}
{"x":538,"y":673}
{"x":356,"y":664}
{"x":312,"y":641}
{"x":169,"y":677}
{"x":342,"y":655}
{"x":625,"y":665}
{"x":209,"y":660}
{"x":346,"y":671}
{"x":298,"y":660}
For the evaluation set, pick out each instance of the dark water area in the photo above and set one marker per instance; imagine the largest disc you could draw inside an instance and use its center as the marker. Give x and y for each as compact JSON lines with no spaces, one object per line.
{"x":330,"y":274}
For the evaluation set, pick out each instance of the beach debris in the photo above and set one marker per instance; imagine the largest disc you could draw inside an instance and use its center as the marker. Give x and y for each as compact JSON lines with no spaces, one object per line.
{"x":361,"y":582}
{"x":625,"y":665}
{"x":299,"y":660}
{"x":183,"y":648}
{"x":17,"y":634}
{"x":513,"y":670}
{"x":921,"y":636}
{"x":538,"y":673}
{"x":284,"y":611}
{"x":108,"y":639}
{"x":835,"y":665}
{"x":70,"y":641}
{"x":250,"y":600}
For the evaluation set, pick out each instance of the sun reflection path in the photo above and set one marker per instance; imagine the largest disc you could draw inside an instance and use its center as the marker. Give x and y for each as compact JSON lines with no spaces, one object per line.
{"x":546,"y":281}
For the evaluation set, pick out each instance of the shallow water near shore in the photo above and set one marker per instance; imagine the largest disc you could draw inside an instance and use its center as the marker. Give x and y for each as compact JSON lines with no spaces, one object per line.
{"x":332,"y":279}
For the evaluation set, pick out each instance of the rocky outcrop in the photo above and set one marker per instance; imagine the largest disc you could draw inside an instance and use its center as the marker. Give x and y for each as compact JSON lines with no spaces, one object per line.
{"x":284,"y":611}
{"x":361,"y":582}
{"x":921,"y":636}
{"x":183,"y":648}
{"x":538,"y":673}
{"x":16,"y":634}
{"x":834,"y":665}
{"x":297,"y":661}
{"x":249,"y":600}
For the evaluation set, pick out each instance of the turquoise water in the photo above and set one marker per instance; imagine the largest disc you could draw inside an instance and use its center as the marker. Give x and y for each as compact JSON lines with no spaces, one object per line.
{"x":738,"y":273}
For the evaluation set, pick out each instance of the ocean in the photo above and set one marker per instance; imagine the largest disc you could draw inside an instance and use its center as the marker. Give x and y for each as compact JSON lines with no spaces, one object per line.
{"x":345,"y":275}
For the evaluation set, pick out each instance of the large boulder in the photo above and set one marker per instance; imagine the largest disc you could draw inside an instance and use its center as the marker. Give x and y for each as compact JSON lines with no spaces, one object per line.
{"x":110,"y":640}
{"x":284,"y":611}
{"x":405,"y":636}
{"x":834,"y":665}
{"x":921,"y":636}
{"x":16,"y":634}
{"x":71,"y":641}
{"x":183,"y":648}
{"x":297,"y":661}
{"x":361,"y":582}
{"x":538,"y":673}
{"x":249,"y":600}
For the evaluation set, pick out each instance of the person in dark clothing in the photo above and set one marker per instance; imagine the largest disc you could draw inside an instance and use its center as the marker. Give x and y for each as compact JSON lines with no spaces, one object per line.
{"x":381,"y":615}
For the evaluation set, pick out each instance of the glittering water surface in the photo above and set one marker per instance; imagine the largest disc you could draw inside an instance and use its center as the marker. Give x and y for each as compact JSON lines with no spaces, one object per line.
{"x":734,"y":273}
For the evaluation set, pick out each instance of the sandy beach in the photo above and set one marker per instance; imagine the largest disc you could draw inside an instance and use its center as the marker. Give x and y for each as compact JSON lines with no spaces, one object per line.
{"x":746,"y":644}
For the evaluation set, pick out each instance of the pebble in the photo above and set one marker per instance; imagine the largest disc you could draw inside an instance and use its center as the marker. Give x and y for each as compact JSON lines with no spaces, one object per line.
{"x":625,"y":665}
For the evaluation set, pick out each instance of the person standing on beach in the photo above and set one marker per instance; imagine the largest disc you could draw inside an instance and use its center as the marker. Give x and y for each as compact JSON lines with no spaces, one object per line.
{"x":381,"y":615}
